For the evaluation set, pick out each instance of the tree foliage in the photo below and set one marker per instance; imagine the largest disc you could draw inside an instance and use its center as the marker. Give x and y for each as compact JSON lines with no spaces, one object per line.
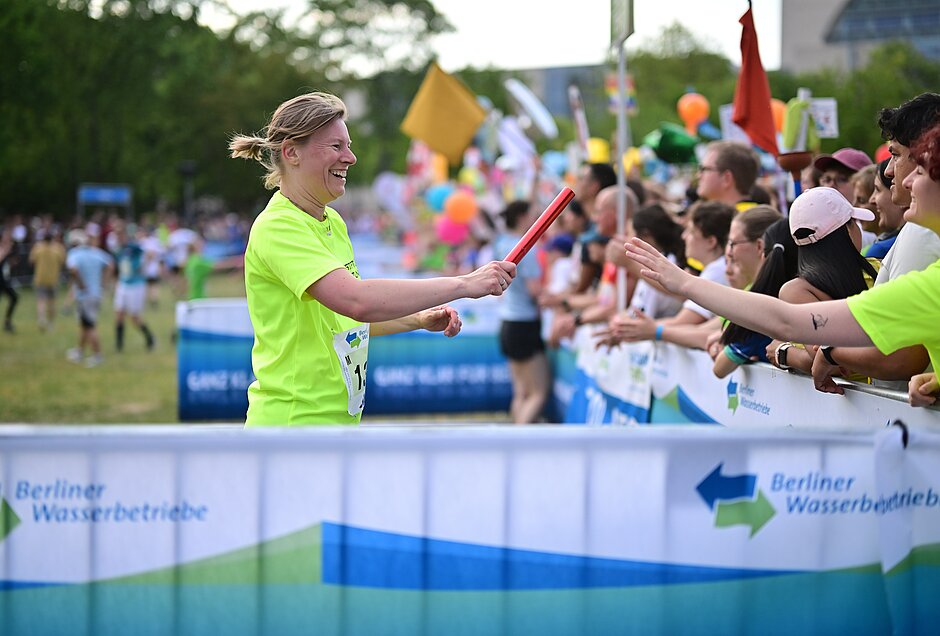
{"x":125,"y":91}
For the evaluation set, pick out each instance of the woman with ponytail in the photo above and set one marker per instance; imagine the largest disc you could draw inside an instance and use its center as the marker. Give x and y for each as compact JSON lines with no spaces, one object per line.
{"x":312,"y":314}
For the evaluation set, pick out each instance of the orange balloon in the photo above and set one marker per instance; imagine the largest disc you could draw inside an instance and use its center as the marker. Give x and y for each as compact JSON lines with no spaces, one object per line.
{"x":779,"y":110}
{"x":460,"y":207}
{"x":693,"y":109}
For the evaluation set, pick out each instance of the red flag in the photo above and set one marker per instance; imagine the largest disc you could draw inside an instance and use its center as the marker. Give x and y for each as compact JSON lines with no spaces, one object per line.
{"x":752,"y":110}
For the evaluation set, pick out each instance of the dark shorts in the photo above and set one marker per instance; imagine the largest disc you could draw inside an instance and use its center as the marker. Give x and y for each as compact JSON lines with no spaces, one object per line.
{"x":521,"y":340}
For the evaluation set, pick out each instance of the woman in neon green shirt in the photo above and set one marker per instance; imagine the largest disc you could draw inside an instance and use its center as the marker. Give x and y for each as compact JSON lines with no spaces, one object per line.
{"x":900,"y":313}
{"x":312,"y":314}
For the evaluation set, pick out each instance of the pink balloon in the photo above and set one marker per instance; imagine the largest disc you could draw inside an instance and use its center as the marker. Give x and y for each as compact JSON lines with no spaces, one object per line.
{"x":450,"y":232}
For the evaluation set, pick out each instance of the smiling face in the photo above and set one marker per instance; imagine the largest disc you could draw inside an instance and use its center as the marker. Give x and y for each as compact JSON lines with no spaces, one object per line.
{"x":900,"y":165}
{"x":890,"y":215}
{"x":925,"y":199}
{"x":319,"y":164}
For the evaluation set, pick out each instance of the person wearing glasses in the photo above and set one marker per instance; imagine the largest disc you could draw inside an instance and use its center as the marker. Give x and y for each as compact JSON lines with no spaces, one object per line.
{"x":727,"y":173}
{"x":839,"y":167}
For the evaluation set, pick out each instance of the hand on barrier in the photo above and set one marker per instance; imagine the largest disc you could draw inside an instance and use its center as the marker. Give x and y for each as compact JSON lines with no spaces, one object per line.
{"x":823,"y":373}
{"x":923,"y":389}
{"x":712,"y":345}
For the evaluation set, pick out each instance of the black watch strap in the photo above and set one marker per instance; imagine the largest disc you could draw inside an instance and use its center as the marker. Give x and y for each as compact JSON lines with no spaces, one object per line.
{"x":782,"y":355}
{"x":827,"y":354}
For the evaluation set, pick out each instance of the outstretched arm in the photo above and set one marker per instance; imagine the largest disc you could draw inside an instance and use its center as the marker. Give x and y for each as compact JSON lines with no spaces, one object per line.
{"x":828,"y":322}
{"x":382,"y":300}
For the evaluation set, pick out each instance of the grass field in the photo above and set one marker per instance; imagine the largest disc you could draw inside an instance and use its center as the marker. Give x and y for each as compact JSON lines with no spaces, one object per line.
{"x":39,"y":385}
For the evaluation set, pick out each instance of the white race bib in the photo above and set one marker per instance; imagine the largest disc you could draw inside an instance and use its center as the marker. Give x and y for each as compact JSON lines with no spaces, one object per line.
{"x":352,"y":348}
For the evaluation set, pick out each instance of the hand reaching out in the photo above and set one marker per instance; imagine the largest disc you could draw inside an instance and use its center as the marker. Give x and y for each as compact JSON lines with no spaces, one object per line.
{"x":490,"y":280}
{"x":444,"y":318}
{"x":656,"y":267}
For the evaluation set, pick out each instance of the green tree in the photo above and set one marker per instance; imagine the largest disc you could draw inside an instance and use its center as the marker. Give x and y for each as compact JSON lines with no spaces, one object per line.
{"x":668,"y":67}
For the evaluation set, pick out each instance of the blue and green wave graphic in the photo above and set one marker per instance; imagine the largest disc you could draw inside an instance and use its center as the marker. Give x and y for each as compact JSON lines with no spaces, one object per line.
{"x":338,"y":579}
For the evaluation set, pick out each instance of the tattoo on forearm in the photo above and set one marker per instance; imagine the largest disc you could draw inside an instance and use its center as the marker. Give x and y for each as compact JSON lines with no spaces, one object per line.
{"x":819,"y":321}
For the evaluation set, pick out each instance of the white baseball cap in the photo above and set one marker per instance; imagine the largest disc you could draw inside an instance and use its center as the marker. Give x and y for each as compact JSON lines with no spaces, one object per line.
{"x":823,"y":210}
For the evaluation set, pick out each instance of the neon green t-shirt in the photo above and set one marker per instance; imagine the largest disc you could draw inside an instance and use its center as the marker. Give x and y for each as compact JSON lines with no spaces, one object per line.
{"x":309,"y":362}
{"x":197,"y":270}
{"x":902,"y":312}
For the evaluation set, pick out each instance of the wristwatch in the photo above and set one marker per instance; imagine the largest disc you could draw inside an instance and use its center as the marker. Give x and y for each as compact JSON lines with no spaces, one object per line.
{"x":781,"y":355}
{"x":827,"y":354}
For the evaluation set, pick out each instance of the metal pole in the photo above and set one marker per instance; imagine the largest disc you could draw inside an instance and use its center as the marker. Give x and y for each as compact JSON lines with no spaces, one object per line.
{"x":623,"y":142}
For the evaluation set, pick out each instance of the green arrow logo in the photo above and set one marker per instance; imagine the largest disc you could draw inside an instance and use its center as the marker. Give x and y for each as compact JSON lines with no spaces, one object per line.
{"x":8,"y":519}
{"x":755,"y":513}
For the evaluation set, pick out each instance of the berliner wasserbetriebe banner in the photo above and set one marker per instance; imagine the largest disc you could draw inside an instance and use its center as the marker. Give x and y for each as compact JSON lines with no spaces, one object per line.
{"x":501,"y":530}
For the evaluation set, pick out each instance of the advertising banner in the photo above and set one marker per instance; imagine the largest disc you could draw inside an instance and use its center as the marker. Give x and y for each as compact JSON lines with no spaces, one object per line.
{"x":213,"y":351}
{"x":416,"y":372}
{"x":610,"y":386}
{"x":545,"y":530}
{"x":662,"y":383}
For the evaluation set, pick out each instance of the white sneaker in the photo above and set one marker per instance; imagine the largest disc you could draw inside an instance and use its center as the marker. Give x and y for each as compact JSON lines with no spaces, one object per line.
{"x":74,"y":355}
{"x":93,"y":361}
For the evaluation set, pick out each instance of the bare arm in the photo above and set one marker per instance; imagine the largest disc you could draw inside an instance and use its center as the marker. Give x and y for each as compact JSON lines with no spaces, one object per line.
{"x":443,"y":319}
{"x":723,"y":365}
{"x":693,"y":336}
{"x":382,"y":300}
{"x":828,"y":322}
{"x":900,"y":365}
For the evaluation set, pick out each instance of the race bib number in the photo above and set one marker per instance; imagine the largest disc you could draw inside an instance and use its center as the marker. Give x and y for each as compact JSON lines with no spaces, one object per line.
{"x":352,"y":348}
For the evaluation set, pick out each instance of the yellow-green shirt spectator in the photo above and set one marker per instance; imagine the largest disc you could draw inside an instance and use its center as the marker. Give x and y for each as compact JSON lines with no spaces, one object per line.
{"x":903,"y":313}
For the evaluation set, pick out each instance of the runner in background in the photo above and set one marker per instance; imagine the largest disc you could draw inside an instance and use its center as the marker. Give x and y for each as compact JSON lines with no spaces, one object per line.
{"x":131,"y":290}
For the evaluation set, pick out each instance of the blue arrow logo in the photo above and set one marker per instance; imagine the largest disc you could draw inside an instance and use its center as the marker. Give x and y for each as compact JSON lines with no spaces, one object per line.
{"x":353,"y":339}
{"x":717,"y":486}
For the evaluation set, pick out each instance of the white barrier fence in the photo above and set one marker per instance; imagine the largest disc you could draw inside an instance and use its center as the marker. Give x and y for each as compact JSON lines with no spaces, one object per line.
{"x":658,"y":382}
{"x":554,"y":530}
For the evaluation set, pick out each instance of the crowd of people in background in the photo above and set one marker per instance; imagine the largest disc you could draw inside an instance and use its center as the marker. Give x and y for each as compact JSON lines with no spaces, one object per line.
{"x":73,"y":267}
{"x":730,"y":222}
{"x":845,"y":233}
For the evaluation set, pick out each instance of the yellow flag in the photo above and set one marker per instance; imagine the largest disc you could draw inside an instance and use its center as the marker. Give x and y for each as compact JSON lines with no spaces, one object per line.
{"x":444,"y":114}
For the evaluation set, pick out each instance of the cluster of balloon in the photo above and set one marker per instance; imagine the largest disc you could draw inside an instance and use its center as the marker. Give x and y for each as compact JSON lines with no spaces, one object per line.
{"x":693,"y":109}
{"x":437,"y":195}
{"x":450,"y":232}
{"x":471,"y":178}
{"x":455,"y":209}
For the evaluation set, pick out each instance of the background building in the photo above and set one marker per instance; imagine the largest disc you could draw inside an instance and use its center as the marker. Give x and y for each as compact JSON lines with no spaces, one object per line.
{"x":841,"y":33}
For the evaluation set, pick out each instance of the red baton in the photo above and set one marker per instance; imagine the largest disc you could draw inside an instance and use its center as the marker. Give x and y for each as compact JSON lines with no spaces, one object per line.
{"x":552,"y":212}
